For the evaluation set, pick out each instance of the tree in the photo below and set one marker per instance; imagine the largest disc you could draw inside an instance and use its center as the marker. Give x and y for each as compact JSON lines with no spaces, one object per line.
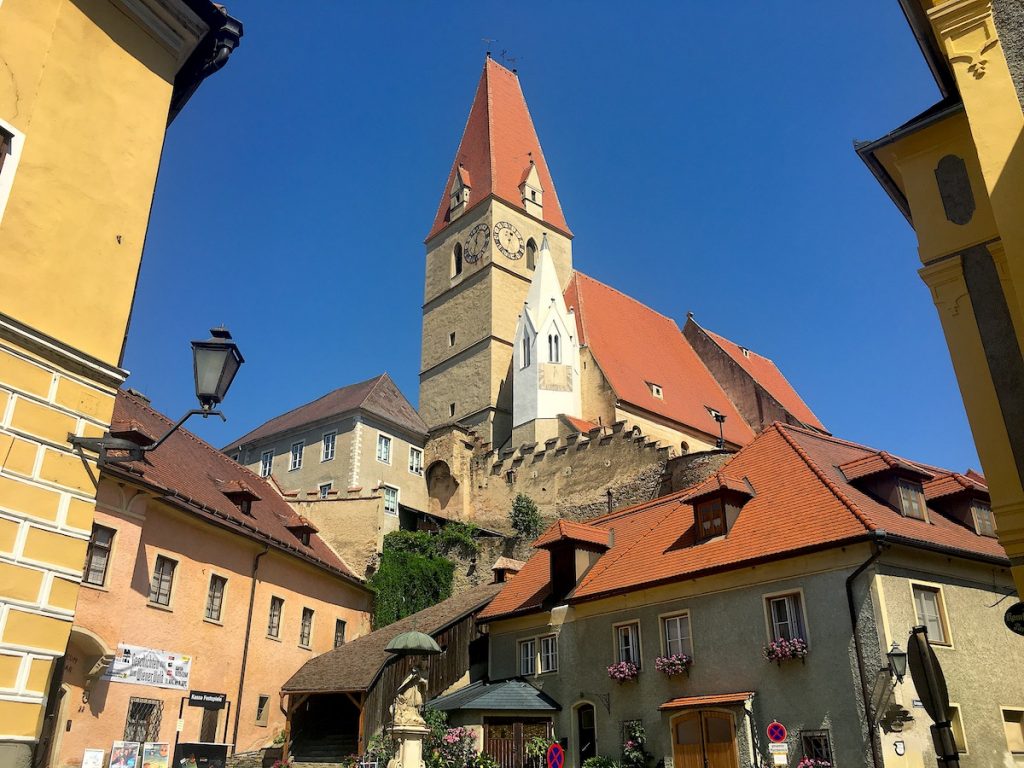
{"x":524,"y":517}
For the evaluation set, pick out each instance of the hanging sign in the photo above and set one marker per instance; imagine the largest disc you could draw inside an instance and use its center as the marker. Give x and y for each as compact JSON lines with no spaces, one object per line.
{"x":1014,"y":618}
{"x":776,"y":731}
{"x":149,"y":666}
{"x":555,"y":756}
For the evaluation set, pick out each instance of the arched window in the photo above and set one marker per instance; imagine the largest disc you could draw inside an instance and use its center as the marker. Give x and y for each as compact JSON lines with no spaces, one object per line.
{"x":457,"y":260}
{"x":554,"y":353}
{"x":531,"y":254}
{"x":525,"y":356}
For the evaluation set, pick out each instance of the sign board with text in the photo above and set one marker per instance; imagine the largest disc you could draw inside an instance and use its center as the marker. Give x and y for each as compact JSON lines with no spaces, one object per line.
{"x":206,"y":699}
{"x":149,"y":666}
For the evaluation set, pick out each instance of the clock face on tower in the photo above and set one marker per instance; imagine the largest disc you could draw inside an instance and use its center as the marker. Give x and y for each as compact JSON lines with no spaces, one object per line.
{"x":508,"y":240}
{"x":479,"y":237}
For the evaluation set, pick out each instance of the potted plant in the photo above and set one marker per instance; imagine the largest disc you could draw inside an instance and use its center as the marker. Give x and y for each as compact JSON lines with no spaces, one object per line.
{"x":623,"y":671}
{"x":813,"y":762}
{"x":781,"y":649}
{"x":673,"y":664}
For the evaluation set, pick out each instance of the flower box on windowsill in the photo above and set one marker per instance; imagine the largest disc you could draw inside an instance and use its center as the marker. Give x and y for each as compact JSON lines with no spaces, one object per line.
{"x":780,"y":650}
{"x":813,"y":762}
{"x":623,"y":672}
{"x":673,"y":665}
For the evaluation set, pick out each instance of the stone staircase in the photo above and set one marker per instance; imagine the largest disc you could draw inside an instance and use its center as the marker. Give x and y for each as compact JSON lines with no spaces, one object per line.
{"x":323,"y":751}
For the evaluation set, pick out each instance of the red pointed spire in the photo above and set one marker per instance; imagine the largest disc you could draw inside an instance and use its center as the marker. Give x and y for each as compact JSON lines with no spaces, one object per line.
{"x":497,"y":146}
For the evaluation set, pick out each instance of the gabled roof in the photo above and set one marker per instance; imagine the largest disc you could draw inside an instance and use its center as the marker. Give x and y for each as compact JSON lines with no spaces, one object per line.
{"x":507,"y":564}
{"x":717,"y":483}
{"x":881,"y":461}
{"x":611,"y":324}
{"x":378,"y":396}
{"x":195,"y":477}
{"x":507,"y":695}
{"x":803,"y":503}
{"x":954,"y":482}
{"x":497,"y":145}
{"x":766,"y":373}
{"x":567,"y":530}
{"x":355,"y":665}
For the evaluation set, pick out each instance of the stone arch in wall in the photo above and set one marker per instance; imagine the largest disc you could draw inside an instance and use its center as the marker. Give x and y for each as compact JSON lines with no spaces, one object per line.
{"x":441,"y":486}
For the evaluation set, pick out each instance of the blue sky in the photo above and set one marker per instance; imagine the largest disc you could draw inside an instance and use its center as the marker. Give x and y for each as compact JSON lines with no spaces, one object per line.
{"x":702,"y":154}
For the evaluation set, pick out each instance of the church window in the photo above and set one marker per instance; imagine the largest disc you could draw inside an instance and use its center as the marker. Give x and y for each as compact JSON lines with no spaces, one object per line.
{"x":525,"y":357}
{"x":554,"y":353}
{"x":457,"y":260}
{"x":531,"y":254}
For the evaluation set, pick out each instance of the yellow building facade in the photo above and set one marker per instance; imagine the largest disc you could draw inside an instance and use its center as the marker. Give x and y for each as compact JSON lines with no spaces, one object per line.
{"x":87,"y":89}
{"x":957,"y":173}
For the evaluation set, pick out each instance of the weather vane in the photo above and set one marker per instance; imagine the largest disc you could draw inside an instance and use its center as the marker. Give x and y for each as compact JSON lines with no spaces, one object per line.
{"x":508,"y":59}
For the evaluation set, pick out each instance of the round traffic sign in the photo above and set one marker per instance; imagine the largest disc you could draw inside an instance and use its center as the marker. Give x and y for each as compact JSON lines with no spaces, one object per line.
{"x":1014,"y":618}
{"x":776,"y":732}
{"x":556,"y":756}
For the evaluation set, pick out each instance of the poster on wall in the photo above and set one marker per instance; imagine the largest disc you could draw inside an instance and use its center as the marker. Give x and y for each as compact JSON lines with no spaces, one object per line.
{"x":156,"y":754}
{"x":149,"y":666}
{"x":200,"y":755}
{"x":125,"y":754}
{"x":93,"y":758}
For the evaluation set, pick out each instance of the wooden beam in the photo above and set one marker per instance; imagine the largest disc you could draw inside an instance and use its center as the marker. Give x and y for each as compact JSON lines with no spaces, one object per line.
{"x":361,"y":744}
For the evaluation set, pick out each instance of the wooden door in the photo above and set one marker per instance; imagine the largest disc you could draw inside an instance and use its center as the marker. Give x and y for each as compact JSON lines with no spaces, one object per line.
{"x":500,"y":743}
{"x":704,"y":739}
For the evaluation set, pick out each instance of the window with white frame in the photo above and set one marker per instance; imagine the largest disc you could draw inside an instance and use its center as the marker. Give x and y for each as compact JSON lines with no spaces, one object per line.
{"x":11,"y":142}
{"x":1013,"y":725}
{"x":627,"y":642}
{"x":911,"y":499}
{"x":415,"y":460}
{"x":274,"y":617}
{"x":327,"y":448}
{"x":339,"y":633}
{"x":306,"y":627}
{"x":324,"y":490}
{"x":390,"y":500}
{"x":676,"y":632}
{"x":554,"y":351}
{"x":97,"y":556}
{"x":383,"y":448}
{"x":548,"y":654}
{"x":930,"y":610}
{"x":215,"y":597}
{"x":162,"y":581}
{"x":657,"y":391}
{"x":527,"y":657}
{"x":786,"y":614}
{"x":262,"y":709}
{"x":266,"y":463}
{"x":957,"y":723}
{"x":296,"y":456}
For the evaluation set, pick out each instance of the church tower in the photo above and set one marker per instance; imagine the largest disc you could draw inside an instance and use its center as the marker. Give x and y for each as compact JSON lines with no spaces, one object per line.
{"x":482,"y":253}
{"x":545,"y":358}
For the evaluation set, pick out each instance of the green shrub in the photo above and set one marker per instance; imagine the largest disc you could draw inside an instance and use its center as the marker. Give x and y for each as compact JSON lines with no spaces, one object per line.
{"x":406,"y":582}
{"x":458,"y":538}
{"x":525,"y":517}
{"x":600,"y":761}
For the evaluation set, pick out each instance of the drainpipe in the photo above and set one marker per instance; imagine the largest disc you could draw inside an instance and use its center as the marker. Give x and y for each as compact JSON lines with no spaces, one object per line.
{"x":245,"y":647}
{"x":879,"y":544}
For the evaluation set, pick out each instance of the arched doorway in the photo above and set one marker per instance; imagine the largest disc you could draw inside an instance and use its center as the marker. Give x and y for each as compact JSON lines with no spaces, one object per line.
{"x":586,"y":732}
{"x":704,"y":739}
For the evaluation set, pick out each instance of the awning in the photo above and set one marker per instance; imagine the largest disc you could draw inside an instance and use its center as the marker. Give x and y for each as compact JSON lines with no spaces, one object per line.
{"x":715,"y":699}
{"x":515,"y":695}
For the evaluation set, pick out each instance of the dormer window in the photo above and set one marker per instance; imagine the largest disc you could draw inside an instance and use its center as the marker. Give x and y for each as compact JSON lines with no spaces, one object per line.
{"x":911,"y":499}
{"x":459,"y":193}
{"x":302,"y":530}
{"x":239,"y":494}
{"x":710,"y":518}
{"x":656,"y":390}
{"x":984,"y":523}
{"x":531,"y":191}
{"x":245,"y":505}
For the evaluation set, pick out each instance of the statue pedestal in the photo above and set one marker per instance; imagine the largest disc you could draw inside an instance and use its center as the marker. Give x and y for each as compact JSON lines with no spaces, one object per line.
{"x":409,"y":745}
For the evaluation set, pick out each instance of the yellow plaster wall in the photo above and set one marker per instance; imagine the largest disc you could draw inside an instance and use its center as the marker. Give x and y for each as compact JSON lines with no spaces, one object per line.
{"x":71,"y":235}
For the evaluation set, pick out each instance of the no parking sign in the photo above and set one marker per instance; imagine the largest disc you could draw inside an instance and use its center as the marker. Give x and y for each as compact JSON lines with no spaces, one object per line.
{"x":556,"y":756}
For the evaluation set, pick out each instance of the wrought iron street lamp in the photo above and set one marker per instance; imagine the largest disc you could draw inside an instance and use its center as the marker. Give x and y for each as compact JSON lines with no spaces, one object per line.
{"x":215,"y":362}
{"x":897,"y":661}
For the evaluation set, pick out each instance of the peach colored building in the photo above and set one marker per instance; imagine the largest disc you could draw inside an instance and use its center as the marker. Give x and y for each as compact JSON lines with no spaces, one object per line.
{"x":194,"y":556}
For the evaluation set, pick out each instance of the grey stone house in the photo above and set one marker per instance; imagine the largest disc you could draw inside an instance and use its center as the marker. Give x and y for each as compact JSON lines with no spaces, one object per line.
{"x":351,"y":462}
{"x":820,"y":551}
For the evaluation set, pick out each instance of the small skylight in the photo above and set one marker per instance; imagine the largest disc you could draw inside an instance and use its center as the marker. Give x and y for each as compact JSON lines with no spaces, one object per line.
{"x":656,"y":390}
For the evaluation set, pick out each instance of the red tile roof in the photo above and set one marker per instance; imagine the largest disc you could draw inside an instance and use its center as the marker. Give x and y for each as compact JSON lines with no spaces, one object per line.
{"x":707,"y":701}
{"x":378,"y":396}
{"x":766,"y":373}
{"x":880,"y":461}
{"x":803,"y":503}
{"x":716,"y":483}
{"x":636,"y":347}
{"x":566,"y":530}
{"x":581,"y":425}
{"x":192,"y":475}
{"x":497,"y":145}
{"x":946,"y":485}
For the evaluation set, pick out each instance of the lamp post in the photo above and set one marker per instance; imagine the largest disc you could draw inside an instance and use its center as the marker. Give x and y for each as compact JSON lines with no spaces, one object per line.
{"x":215,"y":362}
